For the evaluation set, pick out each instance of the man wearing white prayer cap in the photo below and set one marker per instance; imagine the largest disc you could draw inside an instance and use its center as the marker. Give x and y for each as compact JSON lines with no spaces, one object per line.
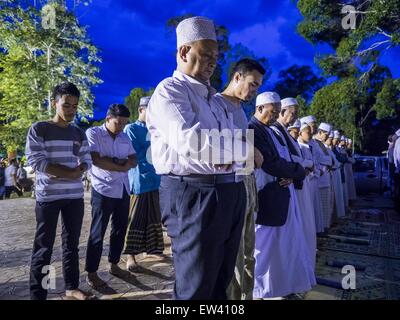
{"x":287,"y":116}
{"x":325,"y":180}
{"x":303,"y":201}
{"x":182,"y":117}
{"x":294,"y":129}
{"x":144,"y":101}
{"x":280,"y":244}
{"x":337,"y":201}
{"x":310,"y":187}
{"x":320,"y":162}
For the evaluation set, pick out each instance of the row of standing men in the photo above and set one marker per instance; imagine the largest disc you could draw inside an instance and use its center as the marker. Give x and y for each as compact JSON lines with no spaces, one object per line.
{"x":237,"y":231}
{"x":240,"y":233}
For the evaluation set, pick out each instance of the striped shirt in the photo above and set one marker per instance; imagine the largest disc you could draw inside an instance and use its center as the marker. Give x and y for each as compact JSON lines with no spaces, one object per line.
{"x":48,"y":143}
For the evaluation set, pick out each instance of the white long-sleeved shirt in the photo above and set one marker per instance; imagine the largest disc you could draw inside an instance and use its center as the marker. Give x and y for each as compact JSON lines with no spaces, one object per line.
{"x":180,"y":110}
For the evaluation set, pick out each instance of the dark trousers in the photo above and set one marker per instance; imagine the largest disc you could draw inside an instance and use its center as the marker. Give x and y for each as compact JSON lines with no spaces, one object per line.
{"x":102,"y":209}
{"x":204,"y":222}
{"x":12,"y":189}
{"x":47,"y":213}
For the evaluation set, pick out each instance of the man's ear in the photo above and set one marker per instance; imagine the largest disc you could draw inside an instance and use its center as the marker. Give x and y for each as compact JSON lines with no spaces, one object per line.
{"x":237,"y":76}
{"x":183,"y":51}
{"x":53,"y":103}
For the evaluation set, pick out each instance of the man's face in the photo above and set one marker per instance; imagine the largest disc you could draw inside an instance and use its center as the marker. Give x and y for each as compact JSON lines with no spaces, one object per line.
{"x":324,"y":135}
{"x":246,"y":86}
{"x":269,"y":112}
{"x":294,"y":133}
{"x":66,"y":107}
{"x":290,"y":115}
{"x":313,"y":126}
{"x":116,"y":124}
{"x":335,"y":142}
{"x":329,"y":141}
{"x":305,"y":134}
{"x":201,"y":59}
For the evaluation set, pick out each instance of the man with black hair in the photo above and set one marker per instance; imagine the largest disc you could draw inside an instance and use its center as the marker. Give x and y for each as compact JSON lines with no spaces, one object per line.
{"x":113,"y":155}
{"x":59,"y":153}
{"x":245,"y":79}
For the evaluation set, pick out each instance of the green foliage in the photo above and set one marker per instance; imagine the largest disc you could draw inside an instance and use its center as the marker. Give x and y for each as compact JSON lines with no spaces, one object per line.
{"x":388,"y":99}
{"x":132,"y":101}
{"x":336,"y":104}
{"x":298,"y":81}
{"x":363,"y":90}
{"x":34,"y":59}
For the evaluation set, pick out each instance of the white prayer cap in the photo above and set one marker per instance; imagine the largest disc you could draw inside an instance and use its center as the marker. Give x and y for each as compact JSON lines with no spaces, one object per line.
{"x":325,"y":126}
{"x":267,"y":97}
{"x":336,"y":134}
{"x":397,"y":133}
{"x":288,"y":102}
{"x":195,"y":29}
{"x":350,"y":141}
{"x":308,"y":119}
{"x":303,"y":125}
{"x":295,"y":125}
{"x":331,"y":135}
{"x":343,"y":138}
{"x":144,"y":101}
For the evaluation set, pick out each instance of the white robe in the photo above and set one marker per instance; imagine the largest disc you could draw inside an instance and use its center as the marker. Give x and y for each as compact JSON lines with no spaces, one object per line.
{"x":305,"y":201}
{"x":283,"y":264}
{"x":319,"y":161}
{"x":337,"y":187}
{"x":309,"y":186}
{"x":351,"y":188}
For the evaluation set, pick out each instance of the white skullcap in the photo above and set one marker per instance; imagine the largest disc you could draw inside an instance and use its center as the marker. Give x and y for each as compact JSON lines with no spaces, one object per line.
{"x":195,"y":29}
{"x":397,"y":133}
{"x":308,"y":119}
{"x":331,"y":135}
{"x":342,"y":138}
{"x":303,"y":125}
{"x":295,"y":125}
{"x":325,"y":126}
{"x":267,"y":97}
{"x":336,"y":134}
{"x":144,"y":101}
{"x":288,"y":102}
{"x":349,"y":141}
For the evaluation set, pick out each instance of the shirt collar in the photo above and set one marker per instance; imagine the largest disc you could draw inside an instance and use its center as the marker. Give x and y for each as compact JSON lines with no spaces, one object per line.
{"x":105,"y":132}
{"x":140,"y":123}
{"x":202,"y":89}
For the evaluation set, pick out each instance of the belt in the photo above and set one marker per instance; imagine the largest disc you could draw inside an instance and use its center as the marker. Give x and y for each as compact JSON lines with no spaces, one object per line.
{"x":209,"y":178}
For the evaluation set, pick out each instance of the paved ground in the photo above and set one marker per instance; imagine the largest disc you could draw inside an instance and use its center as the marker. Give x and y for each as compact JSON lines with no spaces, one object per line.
{"x":379,"y":280}
{"x":17,"y":228}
